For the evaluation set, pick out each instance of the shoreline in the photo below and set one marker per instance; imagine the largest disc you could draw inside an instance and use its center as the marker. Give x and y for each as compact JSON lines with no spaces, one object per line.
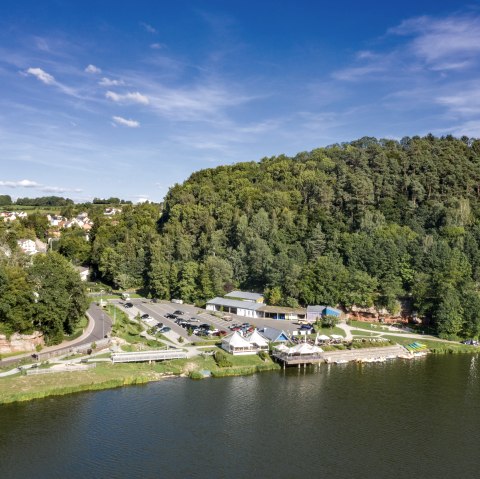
{"x":111,"y":376}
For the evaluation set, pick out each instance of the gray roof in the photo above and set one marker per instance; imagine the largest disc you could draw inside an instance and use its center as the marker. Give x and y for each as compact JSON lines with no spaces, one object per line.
{"x":232,"y":303}
{"x":272,"y":334}
{"x":244,"y":295}
{"x":315,"y":309}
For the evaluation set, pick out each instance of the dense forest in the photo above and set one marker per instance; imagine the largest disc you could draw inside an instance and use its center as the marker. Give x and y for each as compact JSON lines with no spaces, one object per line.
{"x":371,"y":222}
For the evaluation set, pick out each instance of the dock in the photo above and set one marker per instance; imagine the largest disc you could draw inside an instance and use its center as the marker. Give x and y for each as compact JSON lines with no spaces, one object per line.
{"x":143,"y":356}
{"x":342,"y":356}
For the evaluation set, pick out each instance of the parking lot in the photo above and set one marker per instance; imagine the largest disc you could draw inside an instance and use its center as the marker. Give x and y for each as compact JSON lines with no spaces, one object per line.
{"x":158,"y":311}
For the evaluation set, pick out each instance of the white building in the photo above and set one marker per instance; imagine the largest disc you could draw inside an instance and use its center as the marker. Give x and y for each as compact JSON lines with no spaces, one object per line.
{"x":27,"y":246}
{"x":248,"y":309}
{"x":237,"y":345}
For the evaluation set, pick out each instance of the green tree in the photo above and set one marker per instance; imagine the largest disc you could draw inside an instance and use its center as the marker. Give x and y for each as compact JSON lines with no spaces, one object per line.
{"x":60,"y":296}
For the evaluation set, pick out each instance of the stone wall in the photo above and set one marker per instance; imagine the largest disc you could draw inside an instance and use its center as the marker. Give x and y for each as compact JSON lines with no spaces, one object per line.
{"x":20,"y":342}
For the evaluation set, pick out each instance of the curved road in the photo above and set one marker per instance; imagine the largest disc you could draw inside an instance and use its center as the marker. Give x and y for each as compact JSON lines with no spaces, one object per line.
{"x":99,"y":325}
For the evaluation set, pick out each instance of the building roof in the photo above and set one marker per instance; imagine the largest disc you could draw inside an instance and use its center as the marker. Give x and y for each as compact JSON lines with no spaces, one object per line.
{"x":304,"y":348}
{"x":233,"y":303}
{"x":236,"y":340}
{"x":274,"y":335}
{"x":257,"y":338}
{"x":244,"y":295}
{"x":282,"y":309}
{"x":315,"y":308}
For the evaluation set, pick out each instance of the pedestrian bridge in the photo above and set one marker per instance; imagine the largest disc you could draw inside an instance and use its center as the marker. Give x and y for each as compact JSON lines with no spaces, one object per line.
{"x":141,"y":356}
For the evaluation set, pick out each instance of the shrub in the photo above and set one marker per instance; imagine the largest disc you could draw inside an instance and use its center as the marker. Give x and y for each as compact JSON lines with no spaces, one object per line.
{"x":263,"y":355}
{"x":222,"y":360}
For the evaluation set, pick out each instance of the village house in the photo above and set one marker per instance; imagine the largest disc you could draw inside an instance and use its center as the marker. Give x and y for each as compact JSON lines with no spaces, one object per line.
{"x":28,"y":246}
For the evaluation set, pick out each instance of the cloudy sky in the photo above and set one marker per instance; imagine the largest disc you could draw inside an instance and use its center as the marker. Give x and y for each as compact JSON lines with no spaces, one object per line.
{"x":126,"y":98}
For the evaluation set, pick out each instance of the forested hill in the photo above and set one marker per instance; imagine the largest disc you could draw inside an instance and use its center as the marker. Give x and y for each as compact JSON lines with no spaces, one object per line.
{"x":368,"y":222}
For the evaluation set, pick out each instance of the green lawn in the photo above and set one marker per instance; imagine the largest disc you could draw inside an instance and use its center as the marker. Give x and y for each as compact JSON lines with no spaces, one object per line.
{"x":368,"y":326}
{"x":436,"y":346}
{"x":364,"y":333}
{"x":107,"y":375}
{"x":329,"y":331}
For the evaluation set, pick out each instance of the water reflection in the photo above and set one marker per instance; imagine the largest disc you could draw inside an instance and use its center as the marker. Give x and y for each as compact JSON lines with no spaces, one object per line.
{"x":395,"y":419}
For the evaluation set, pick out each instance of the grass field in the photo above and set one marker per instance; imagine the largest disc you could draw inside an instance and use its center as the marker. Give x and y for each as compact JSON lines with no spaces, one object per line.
{"x":107,"y":375}
{"x":330,"y":331}
{"x":437,"y":347}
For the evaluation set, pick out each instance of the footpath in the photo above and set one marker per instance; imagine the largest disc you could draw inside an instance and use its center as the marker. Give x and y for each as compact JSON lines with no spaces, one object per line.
{"x":58,"y":347}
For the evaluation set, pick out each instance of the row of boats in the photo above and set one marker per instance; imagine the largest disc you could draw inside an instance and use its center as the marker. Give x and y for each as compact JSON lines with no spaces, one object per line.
{"x":379,"y":359}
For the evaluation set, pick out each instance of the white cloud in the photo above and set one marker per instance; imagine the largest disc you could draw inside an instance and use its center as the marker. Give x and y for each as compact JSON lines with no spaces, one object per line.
{"x":157,"y":46}
{"x":148,"y":27}
{"x":93,"y":69}
{"x":443,"y":43}
{"x":125,"y":122}
{"x":134,"y":97}
{"x":41,"y":75}
{"x":20,"y":184}
{"x":109,"y":82}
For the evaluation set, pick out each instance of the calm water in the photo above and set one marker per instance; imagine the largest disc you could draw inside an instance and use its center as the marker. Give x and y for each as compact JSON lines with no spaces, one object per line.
{"x":418,"y":419}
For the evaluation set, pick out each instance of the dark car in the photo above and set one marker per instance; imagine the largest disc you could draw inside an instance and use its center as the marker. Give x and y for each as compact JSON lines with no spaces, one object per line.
{"x":305,"y":327}
{"x":145,"y":316}
{"x":159,"y":325}
{"x":204,"y":326}
{"x":170,"y":316}
{"x":165,"y":329}
{"x":128,"y":305}
{"x":178,"y":312}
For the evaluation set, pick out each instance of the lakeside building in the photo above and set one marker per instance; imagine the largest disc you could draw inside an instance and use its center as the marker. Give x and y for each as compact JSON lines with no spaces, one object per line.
{"x":282,"y":312}
{"x":248,"y":309}
{"x":245,"y":296}
{"x":275,"y":335}
{"x":237,"y":345}
{"x":316,"y":312}
{"x":251,"y":305}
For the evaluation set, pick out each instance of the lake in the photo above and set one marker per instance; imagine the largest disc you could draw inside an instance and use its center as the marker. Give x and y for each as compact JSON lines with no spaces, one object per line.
{"x":402,"y":419}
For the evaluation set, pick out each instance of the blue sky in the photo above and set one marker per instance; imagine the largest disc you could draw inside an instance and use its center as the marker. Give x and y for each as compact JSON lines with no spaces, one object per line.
{"x":122,"y":98}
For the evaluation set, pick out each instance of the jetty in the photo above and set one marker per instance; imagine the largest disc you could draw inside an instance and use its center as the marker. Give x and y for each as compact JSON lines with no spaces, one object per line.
{"x":379,"y":354}
{"x":143,"y":356}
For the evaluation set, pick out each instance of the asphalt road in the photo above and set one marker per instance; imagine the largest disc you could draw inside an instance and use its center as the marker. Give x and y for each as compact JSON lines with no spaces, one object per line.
{"x":102,"y":325}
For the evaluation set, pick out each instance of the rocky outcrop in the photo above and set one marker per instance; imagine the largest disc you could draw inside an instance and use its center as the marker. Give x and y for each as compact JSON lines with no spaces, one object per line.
{"x":20,"y":342}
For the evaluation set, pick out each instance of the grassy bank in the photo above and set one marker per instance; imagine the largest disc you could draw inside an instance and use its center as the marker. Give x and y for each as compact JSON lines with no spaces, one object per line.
{"x":436,"y":347}
{"x":106,"y":375}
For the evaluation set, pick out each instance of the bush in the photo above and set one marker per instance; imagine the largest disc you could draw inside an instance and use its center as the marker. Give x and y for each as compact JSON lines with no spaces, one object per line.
{"x":263,"y":355}
{"x":222,"y":360}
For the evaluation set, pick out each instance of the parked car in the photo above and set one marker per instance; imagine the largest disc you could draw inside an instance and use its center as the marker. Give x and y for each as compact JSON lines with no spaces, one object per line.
{"x":159,"y":325}
{"x":194,"y":320}
{"x":305,"y":327}
{"x":145,"y":316}
{"x":165,"y":329}
{"x":178,"y":312}
{"x":128,"y":305}
{"x":170,"y":316}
